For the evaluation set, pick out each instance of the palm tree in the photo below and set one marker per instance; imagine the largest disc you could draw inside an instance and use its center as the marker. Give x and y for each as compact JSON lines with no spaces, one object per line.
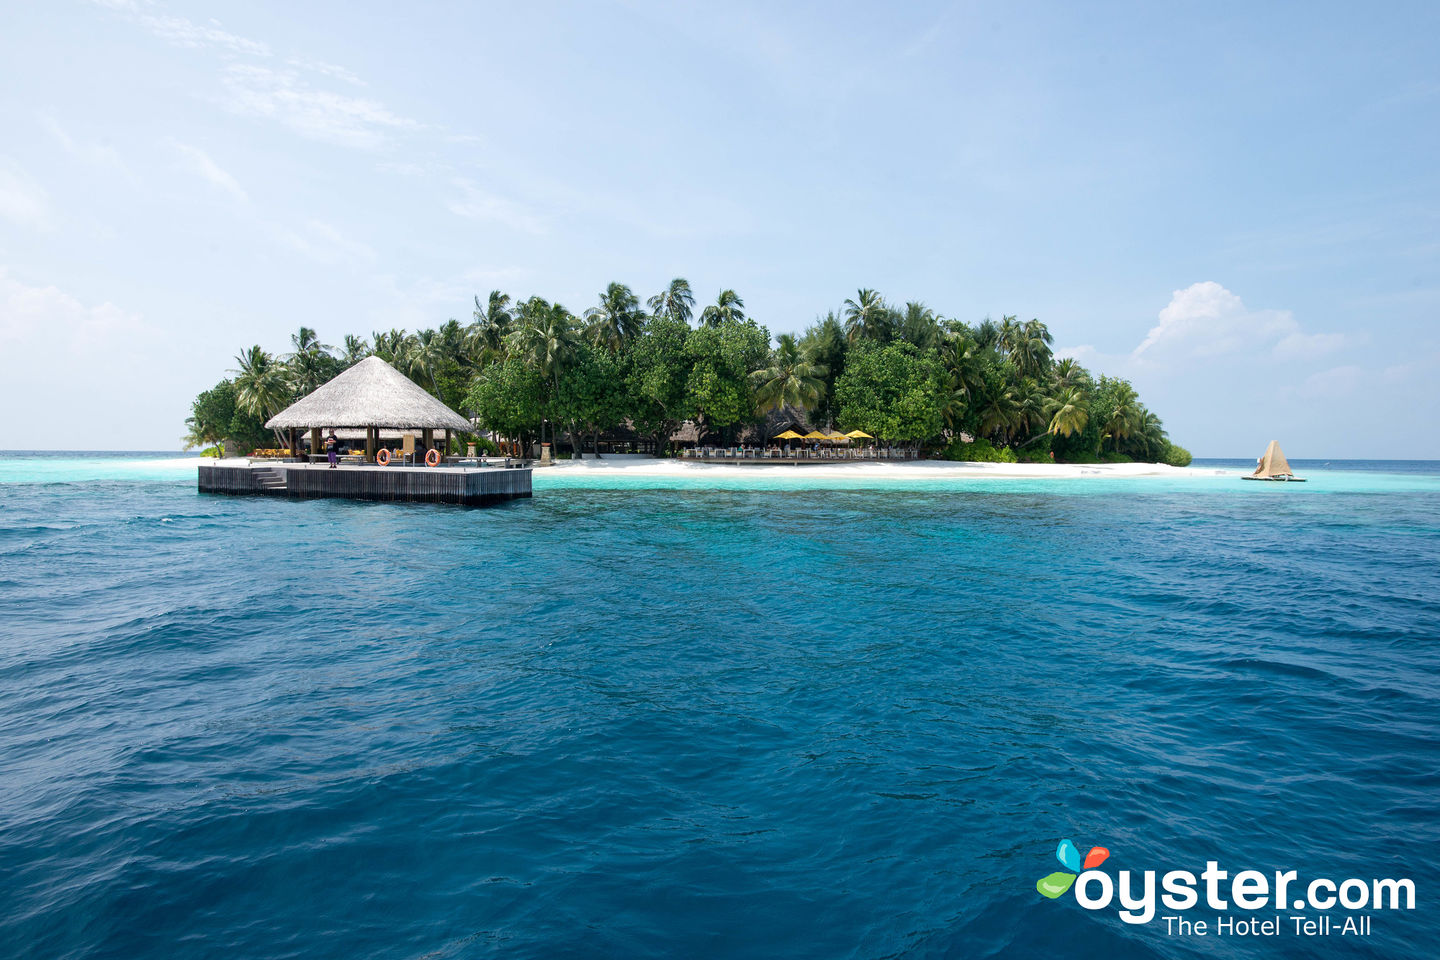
{"x":545,"y":337}
{"x":675,"y":301}
{"x":728,"y":306}
{"x":961,"y":356}
{"x":1067,"y":374}
{"x":997,"y":411}
{"x":356,"y":349}
{"x":824,"y":344}
{"x":920,"y":326}
{"x":790,"y":379}
{"x":422,"y":358}
{"x":1030,"y":404}
{"x":491,"y":326}
{"x":261,"y":387}
{"x":1124,"y":416}
{"x":390,"y":346}
{"x":307,"y":364}
{"x":1149,"y":437}
{"x":987,"y":335}
{"x":454,"y":343}
{"x":1008,"y":334}
{"x":1028,"y":346}
{"x":617,"y":320}
{"x":1037,"y":330}
{"x":866,"y":317}
{"x":1069,"y":413}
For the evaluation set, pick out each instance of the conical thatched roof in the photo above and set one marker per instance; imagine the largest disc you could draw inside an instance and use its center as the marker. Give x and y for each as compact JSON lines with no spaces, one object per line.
{"x":370,"y":394}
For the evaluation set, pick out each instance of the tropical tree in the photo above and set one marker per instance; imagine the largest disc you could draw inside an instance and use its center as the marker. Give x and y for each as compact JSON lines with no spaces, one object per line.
{"x":727,"y":307}
{"x":509,"y":398}
{"x":1030,"y":407}
{"x":490,"y":327}
{"x":1119,"y":410}
{"x":789,"y":379}
{"x":1008,"y":334}
{"x":1069,"y":413}
{"x":676,"y":301}
{"x":825,"y":345}
{"x":547,"y":338}
{"x":1068,"y":374}
{"x":996,"y":412}
{"x":389,"y":346}
{"x":356,"y":349}
{"x":919,"y":325}
{"x":617,"y":320}
{"x":261,"y":387}
{"x":1029,"y":348}
{"x":893,"y":391}
{"x":657,"y":369}
{"x":866,"y":317}
{"x":722,"y":358}
{"x":215,"y":419}
{"x":592,"y":395}
{"x":422,"y":358}
{"x":987,"y":335}
{"x":310,"y":363}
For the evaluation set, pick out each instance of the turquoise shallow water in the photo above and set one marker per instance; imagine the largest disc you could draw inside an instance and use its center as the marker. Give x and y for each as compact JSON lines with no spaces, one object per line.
{"x":660,"y":720}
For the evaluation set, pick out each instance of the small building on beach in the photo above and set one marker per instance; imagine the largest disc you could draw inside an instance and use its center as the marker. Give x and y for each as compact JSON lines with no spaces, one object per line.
{"x":372,"y":396}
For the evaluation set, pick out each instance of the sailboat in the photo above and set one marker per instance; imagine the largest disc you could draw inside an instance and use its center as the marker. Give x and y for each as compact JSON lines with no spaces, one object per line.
{"x":1274,"y":466}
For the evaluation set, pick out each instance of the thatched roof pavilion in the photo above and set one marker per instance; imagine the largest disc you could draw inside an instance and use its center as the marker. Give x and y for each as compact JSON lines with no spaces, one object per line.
{"x":373,"y":395}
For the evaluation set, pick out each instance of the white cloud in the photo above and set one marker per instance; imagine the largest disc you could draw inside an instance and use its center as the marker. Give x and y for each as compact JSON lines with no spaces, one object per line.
{"x":1206,"y":320}
{"x":199,"y":162}
{"x":94,"y":154}
{"x":1337,"y":381}
{"x":22,"y":200}
{"x":49,"y":316}
{"x":326,"y":69}
{"x":186,"y":33}
{"x":181,"y":32}
{"x":1307,"y":346}
{"x":282,"y":95}
{"x":477,"y":204}
{"x":325,"y":243}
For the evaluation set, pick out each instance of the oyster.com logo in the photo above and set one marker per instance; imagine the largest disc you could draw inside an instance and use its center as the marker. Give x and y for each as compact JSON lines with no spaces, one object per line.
{"x":1068,"y":854}
{"x":1246,"y":902}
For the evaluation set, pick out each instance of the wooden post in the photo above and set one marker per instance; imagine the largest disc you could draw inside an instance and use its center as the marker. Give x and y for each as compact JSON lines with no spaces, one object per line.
{"x":447,"y":441}
{"x":294,"y":442}
{"x":370,"y":444}
{"x":314,"y":440}
{"x":427,"y":437}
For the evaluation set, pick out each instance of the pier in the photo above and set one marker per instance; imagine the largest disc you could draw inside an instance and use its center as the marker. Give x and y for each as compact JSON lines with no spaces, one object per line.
{"x":467,"y":485}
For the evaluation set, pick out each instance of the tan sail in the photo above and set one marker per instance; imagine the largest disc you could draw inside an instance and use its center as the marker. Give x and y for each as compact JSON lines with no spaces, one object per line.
{"x":1273,"y":465}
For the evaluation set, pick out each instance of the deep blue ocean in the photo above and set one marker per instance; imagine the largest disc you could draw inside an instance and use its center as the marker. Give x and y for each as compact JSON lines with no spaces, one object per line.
{"x":653,"y":719}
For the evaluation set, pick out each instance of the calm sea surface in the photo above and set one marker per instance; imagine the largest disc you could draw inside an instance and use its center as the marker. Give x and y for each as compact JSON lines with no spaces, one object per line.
{"x":649,"y":719}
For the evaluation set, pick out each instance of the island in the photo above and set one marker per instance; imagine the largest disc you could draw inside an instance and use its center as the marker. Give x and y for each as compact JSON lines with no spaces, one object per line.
{"x":870,"y":380}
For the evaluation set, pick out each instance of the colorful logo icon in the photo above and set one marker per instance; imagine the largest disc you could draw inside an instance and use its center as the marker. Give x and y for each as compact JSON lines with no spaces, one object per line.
{"x":1069,"y":856}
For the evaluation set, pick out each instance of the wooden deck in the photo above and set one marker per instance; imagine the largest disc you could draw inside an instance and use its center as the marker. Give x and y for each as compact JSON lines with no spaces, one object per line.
{"x":471,"y":486}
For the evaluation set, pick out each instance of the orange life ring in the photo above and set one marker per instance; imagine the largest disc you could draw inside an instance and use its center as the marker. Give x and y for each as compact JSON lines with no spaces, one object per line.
{"x":432,"y":457}
{"x":383,"y":457}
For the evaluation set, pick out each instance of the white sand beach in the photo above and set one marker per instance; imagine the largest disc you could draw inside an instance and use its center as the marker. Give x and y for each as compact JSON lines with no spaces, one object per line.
{"x":617,"y":465}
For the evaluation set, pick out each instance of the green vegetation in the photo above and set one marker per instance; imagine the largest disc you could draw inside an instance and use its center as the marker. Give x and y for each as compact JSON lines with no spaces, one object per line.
{"x":532,"y":370}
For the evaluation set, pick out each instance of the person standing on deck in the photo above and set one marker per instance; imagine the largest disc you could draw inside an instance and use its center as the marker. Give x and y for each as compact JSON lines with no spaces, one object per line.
{"x":332,"y":448}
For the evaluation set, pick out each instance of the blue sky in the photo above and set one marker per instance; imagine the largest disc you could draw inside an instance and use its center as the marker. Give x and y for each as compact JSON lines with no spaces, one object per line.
{"x":1235,"y":205}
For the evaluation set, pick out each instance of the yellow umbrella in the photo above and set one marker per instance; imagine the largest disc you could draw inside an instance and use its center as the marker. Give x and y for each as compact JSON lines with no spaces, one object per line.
{"x":859,"y":435}
{"x":815,"y":435}
{"x":837,"y":436}
{"x":788,"y":435}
